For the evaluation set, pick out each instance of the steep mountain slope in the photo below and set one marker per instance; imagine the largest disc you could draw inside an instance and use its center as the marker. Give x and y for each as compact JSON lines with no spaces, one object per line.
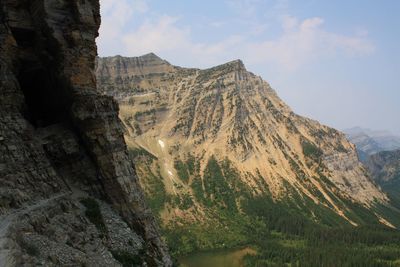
{"x":369,"y":142}
{"x":213,"y":144}
{"x":69,"y":195}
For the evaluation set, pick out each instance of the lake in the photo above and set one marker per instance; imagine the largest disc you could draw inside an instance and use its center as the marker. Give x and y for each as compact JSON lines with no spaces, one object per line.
{"x":221,"y":258}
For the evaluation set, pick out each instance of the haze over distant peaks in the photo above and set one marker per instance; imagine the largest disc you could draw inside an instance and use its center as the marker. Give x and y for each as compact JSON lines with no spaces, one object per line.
{"x":369,"y":141}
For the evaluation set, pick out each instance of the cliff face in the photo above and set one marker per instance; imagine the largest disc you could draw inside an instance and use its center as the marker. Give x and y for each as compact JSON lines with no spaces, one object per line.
{"x":69,"y":193}
{"x":230,"y":114}
{"x":385,"y":169}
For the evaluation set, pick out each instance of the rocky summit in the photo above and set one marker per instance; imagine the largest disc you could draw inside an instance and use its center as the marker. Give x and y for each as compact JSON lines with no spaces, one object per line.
{"x":220,"y":136}
{"x":69,"y":193}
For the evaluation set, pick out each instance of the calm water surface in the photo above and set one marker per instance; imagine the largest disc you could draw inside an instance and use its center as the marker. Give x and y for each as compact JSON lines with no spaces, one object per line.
{"x":224,"y":258}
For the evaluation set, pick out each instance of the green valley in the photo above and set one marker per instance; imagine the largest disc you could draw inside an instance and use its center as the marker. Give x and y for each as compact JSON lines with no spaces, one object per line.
{"x":294,"y":232}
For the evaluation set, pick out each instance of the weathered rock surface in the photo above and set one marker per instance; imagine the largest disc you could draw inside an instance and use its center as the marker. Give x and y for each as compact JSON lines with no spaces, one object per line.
{"x":61,"y":142}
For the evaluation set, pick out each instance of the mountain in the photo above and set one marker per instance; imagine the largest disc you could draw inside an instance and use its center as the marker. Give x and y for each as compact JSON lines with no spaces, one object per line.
{"x":385,"y":169}
{"x":69,"y":195}
{"x":369,"y":142}
{"x":216,"y":147}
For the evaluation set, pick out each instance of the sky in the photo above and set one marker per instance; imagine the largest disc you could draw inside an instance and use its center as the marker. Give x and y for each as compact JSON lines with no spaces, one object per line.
{"x":334,"y":61}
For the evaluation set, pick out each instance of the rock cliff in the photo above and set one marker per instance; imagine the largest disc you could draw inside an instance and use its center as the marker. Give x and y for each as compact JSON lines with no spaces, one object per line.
{"x":69,"y":194}
{"x":385,"y":169}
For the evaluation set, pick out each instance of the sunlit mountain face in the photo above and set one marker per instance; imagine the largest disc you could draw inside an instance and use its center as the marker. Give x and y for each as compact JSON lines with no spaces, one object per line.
{"x":219,"y":153}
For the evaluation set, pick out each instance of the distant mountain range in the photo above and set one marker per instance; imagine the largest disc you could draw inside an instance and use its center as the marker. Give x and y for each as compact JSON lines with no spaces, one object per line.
{"x":369,"y":142}
{"x":380,"y":153}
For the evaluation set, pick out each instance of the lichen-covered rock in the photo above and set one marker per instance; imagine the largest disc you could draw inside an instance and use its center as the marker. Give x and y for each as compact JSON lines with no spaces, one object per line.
{"x":61,"y":142}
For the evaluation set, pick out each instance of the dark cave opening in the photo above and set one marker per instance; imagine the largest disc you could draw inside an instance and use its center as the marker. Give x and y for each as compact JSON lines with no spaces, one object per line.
{"x":45,"y":97}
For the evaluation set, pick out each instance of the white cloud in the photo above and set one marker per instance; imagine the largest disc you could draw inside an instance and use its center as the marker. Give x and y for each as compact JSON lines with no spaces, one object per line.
{"x":299,"y":43}
{"x":115,"y":16}
{"x":289,"y":22}
{"x":159,"y":36}
{"x":166,"y":38}
{"x":302,"y":42}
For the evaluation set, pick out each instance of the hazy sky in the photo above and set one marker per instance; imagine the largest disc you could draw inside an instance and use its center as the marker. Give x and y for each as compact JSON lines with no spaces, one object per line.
{"x":334,"y":61}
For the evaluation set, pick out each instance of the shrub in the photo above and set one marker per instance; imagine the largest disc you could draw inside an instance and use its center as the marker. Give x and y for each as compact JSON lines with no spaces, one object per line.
{"x":31,"y":249}
{"x":94,"y":215}
{"x":182,"y":170}
{"x":128,"y":259}
{"x":310,"y":150}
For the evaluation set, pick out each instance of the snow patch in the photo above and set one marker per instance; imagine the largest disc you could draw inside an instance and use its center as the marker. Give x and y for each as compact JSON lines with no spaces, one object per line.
{"x":161,"y":143}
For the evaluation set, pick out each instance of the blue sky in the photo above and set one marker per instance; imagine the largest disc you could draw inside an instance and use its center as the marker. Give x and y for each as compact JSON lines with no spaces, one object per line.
{"x":334,"y":61}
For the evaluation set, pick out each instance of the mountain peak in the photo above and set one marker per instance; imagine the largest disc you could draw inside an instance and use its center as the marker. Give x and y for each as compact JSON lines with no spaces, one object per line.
{"x":153,"y":58}
{"x":236,"y":64}
{"x":151,"y":54}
